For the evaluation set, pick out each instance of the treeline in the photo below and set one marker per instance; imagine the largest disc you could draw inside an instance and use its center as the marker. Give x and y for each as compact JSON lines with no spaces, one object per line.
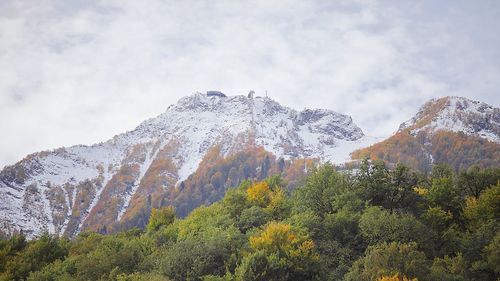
{"x":208,"y":184}
{"x":458,"y":150}
{"x":372,"y":224}
{"x":216,"y":174}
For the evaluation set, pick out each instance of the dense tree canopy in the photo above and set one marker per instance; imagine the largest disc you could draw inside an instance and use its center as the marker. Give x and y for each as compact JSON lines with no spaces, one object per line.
{"x":375,"y":223}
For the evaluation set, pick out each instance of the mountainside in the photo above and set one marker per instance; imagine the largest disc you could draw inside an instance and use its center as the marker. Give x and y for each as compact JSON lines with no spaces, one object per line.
{"x":71,"y":189}
{"x":456,"y":114}
{"x":453,"y":130}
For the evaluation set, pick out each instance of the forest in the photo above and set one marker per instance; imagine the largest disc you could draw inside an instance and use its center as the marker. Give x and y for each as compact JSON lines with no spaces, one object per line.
{"x":372,"y":223}
{"x":420,"y":151}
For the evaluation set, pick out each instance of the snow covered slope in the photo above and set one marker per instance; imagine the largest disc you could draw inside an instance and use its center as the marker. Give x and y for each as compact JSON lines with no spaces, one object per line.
{"x":70,"y":189}
{"x":456,"y":114}
{"x":453,"y":130}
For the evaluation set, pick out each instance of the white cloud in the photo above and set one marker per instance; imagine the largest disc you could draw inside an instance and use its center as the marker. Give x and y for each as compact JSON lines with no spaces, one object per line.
{"x":82,"y":71}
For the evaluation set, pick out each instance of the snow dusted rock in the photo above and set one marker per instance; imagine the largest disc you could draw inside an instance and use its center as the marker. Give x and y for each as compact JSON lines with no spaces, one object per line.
{"x":70,"y":189}
{"x":456,"y":114}
{"x":452,"y":130}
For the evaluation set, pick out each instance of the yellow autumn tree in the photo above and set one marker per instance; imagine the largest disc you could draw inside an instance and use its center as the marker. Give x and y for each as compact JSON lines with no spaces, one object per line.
{"x":279,"y":238}
{"x":276,"y":237}
{"x":276,"y":251}
{"x":276,"y":199}
{"x":396,"y":277}
{"x":259,"y":194}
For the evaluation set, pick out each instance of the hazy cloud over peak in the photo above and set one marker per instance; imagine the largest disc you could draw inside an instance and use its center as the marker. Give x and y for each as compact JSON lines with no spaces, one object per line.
{"x":83,"y":71}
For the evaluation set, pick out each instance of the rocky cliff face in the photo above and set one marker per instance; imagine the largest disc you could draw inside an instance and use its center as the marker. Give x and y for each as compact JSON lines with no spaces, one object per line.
{"x":71,"y":189}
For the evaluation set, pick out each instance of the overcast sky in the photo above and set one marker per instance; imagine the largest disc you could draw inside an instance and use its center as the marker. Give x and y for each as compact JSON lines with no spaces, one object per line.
{"x":79,"y":72}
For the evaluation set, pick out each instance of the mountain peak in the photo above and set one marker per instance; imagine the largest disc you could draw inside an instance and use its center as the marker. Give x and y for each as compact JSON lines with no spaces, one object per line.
{"x":457,"y":114}
{"x":101,"y":182}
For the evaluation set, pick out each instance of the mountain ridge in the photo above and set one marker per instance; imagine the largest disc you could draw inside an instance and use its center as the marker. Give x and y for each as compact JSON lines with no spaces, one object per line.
{"x":456,"y":114}
{"x":73,"y":188}
{"x":453,"y":130}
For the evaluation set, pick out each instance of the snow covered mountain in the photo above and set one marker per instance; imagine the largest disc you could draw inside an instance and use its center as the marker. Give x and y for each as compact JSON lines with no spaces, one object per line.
{"x":453,"y":130}
{"x":71,"y":189}
{"x":456,"y":114}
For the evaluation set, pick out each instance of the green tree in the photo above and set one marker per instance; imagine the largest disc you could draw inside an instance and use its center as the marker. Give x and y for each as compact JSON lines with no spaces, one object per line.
{"x":445,"y":195}
{"x":34,"y":256}
{"x":473,"y":181}
{"x":492,"y":252}
{"x":373,"y":180}
{"x":378,"y":225}
{"x":252,"y":217}
{"x":113,"y":255}
{"x":161,"y":217}
{"x":208,"y":253}
{"x":449,"y":268}
{"x":389,"y":259}
{"x":320,"y":189}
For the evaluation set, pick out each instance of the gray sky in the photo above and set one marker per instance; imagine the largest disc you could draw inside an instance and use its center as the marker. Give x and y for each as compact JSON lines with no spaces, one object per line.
{"x":79,"y":72}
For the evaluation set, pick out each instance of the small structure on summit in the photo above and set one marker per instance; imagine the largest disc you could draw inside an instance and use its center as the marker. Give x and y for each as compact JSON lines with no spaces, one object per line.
{"x":215,"y":94}
{"x":251,"y":94}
